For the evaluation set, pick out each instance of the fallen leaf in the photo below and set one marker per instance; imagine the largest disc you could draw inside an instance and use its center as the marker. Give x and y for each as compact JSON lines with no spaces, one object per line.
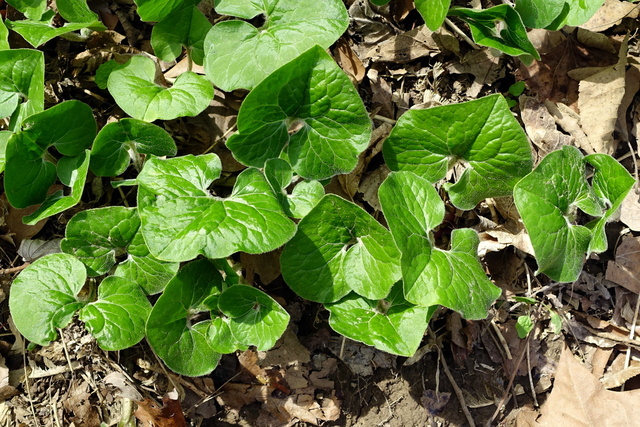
{"x":625,"y":270}
{"x":578,"y":398}
{"x":569,"y":120}
{"x":485,"y":67}
{"x":541,"y":126}
{"x":599,"y":99}
{"x":413,"y":44}
{"x":125,"y":388}
{"x":610,"y":14}
{"x":265,"y":265}
{"x":348,"y":60}
{"x":150,"y":414}
{"x":630,"y":209}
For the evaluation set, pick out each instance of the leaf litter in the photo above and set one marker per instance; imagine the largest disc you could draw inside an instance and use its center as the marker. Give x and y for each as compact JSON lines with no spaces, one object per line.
{"x":316,"y":378}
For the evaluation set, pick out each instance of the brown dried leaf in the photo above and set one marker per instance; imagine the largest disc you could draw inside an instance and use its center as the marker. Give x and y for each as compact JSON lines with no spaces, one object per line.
{"x":578,"y":398}
{"x":610,"y":14}
{"x":150,"y":414}
{"x":630,"y":209}
{"x":625,"y":270}
{"x":411,"y":45}
{"x":348,"y":60}
{"x":541,"y":127}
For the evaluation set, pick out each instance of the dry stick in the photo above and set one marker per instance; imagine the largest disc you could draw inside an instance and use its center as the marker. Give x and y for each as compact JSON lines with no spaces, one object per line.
{"x":461,"y":399}
{"x":384,"y":119}
{"x":632,"y":333}
{"x":533,"y":389}
{"x":7,"y":271}
{"x":66,"y":354}
{"x":503,"y":341}
{"x":461,"y":33}
{"x":26,"y":382}
{"x":212,"y":146}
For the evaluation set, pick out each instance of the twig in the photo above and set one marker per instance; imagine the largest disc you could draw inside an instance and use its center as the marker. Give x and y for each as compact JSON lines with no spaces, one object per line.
{"x":461,"y":33}
{"x":503,"y":341}
{"x":212,"y":146}
{"x":533,"y":388}
{"x":384,"y":119}
{"x":66,"y":354}
{"x":7,"y":271}
{"x":457,"y":390}
{"x":26,"y":383}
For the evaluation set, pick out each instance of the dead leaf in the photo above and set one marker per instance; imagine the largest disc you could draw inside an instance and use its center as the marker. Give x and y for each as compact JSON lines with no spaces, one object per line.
{"x":599,"y":99}
{"x":625,"y":270}
{"x":630,"y":209}
{"x":265,"y":265}
{"x":617,"y":374}
{"x":578,"y":398}
{"x":610,"y":14}
{"x":411,"y":45}
{"x":569,"y":120}
{"x":77,"y":401}
{"x":126,"y":389}
{"x":348,"y":60}
{"x":485,"y":67}
{"x":541,"y":127}
{"x":150,"y":414}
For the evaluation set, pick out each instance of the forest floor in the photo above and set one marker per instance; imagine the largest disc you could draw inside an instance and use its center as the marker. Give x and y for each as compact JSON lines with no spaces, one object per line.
{"x":581,"y":359}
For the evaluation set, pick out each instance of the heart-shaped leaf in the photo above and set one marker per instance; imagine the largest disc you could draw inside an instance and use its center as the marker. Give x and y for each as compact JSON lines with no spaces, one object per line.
{"x":239,"y":55}
{"x":611,"y":183}
{"x":547,"y":200}
{"x":134,"y":89}
{"x":340,"y":248}
{"x":40,"y":31}
{"x":305,"y":195}
{"x":541,"y":13}
{"x":69,"y":127}
{"x":392,"y":324}
{"x":499,"y":27}
{"x":482,"y":133}
{"x":117,"y":319}
{"x":174,"y":332}
{"x":44,"y":296}
{"x":184,"y":27}
{"x":72,"y":172}
{"x":97,"y":236}
{"x":580,"y":11}
{"x":433,"y":12}
{"x":181,"y":219}
{"x":144,"y":269}
{"x":32,"y":9}
{"x":4,"y":38}
{"x":254,"y":317}
{"x":307,"y":110}
{"x":21,"y":83}
{"x":76,"y":11}
{"x":4,"y":138}
{"x":454,"y":278}
{"x":117,"y":142}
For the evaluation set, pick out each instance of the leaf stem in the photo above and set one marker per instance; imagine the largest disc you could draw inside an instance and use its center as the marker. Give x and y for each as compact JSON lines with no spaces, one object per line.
{"x":461,"y":33}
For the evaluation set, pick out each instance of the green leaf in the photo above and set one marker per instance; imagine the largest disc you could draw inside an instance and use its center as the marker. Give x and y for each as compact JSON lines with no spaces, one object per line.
{"x":305,"y":195}
{"x":433,"y":12}
{"x":181,"y":219}
{"x":38,"y":32}
{"x":255,"y":318}
{"x":540,"y":13}
{"x":134,"y":90}
{"x":4,"y":138}
{"x":611,"y":183}
{"x":380,"y":2}
{"x":524,"y":325}
{"x":70,"y":128}
{"x":221,"y":338}
{"x":307,"y":110}
{"x":239,"y":55}
{"x":174,"y":332}
{"x":555,"y":322}
{"x":481,"y":133}
{"x":76,"y":11}
{"x":4,"y":37}
{"x":499,"y":27}
{"x":72,"y":172}
{"x":392,"y":325}
{"x":144,"y":269}
{"x":580,"y":11}
{"x":32,"y":9}
{"x":43,"y":296}
{"x":118,"y":141}
{"x":117,"y":319}
{"x":157,"y":10}
{"x":340,"y":248}
{"x":526,"y":300}
{"x":454,"y":278}
{"x":185,"y":27}
{"x":22,"y":74}
{"x":97,"y":236}
{"x":547,"y":200}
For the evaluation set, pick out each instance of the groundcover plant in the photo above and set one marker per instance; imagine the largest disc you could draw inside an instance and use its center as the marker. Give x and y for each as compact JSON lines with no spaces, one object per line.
{"x":301,"y":124}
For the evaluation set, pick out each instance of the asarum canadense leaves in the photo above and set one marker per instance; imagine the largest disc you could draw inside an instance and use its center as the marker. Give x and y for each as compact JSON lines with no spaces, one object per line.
{"x":134,"y":89}
{"x":390,"y":324}
{"x":173,"y":331}
{"x":310,"y":112}
{"x":181,"y":219}
{"x":29,"y":172}
{"x":183,"y":27}
{"x":305,"y":195}
{"x":44,"y":296}
{"x":431,"y":276}
{"x":21,"y":84}
{"x":340,"y":248}
{"x":117,"y":319}
{"x":239,"y":55}
{"x":548,"y":199}
{"x":433,"y":12}
{"x":481,"y":133}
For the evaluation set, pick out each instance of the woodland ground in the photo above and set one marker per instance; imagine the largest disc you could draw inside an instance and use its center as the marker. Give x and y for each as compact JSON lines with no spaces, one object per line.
{"x":480,"y":371}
